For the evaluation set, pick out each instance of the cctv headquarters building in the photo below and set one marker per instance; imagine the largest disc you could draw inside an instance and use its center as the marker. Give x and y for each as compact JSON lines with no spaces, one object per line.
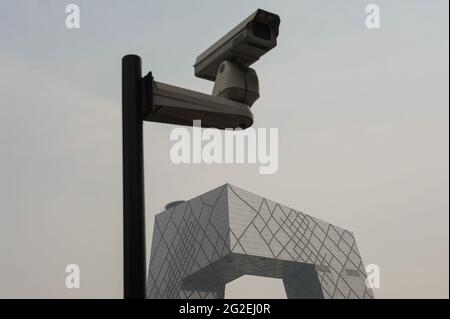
{"x":202,"y":244}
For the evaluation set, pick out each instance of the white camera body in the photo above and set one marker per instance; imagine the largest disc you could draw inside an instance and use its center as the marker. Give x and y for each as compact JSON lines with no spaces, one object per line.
{"x":243,"y":45}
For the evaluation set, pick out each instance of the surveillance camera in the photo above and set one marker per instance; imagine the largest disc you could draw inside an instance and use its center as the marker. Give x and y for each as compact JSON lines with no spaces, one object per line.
{"x":243,"y":45}
{"x":227,"y":63}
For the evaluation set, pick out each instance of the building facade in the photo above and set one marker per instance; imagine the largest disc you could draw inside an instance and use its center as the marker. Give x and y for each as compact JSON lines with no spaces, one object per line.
{"x":202,"y":244}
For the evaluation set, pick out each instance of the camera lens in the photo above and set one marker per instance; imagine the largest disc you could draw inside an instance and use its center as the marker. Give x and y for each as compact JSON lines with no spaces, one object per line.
{"x":261,"y":30}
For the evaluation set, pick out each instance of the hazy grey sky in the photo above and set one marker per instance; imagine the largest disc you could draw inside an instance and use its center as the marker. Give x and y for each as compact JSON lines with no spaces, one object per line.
{"x":362,"y":117}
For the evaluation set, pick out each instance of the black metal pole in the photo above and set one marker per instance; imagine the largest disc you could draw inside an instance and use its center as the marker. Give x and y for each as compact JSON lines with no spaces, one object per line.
{"x":134,"y":264}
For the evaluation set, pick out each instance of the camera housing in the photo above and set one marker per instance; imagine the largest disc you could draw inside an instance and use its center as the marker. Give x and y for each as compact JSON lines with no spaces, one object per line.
{"x":243,"y":45}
